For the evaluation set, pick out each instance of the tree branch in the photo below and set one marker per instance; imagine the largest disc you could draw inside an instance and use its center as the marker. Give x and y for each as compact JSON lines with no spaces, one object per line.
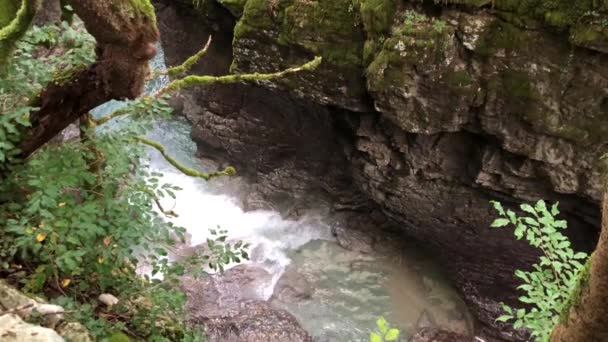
{"x":190,"y":81}
{"x":11,"y":32}
{"x":168,"y":213}
{"x":189,"y":63}
{"x":229,"y":171}
{"x":126,"y":36}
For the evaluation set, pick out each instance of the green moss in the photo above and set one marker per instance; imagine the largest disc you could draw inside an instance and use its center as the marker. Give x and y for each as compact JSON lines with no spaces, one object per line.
{"x":118,"y":337}
{"x":585,"y":128}
{"x":385,"y":70}
{"x":326,"y":28}
{"x":582,"y":282}
{"x":458,"y":79}
{"x":498,"y":36}
{"x":145,"y":8}
{"x":377,"y":16}
{"x":517,"y":85}
{"x":257,"y":15}
{"x":417,"y":40}
{"x":16,"y":23}
{"x":595,"y":36}
{"x":563,"y":15}
{"x":8,"y":11}
{"x":236,"y":7}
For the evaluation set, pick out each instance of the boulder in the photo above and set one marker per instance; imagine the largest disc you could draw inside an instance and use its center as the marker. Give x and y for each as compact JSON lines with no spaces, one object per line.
{"x":292,"y":287}
{"x":232,"y":307}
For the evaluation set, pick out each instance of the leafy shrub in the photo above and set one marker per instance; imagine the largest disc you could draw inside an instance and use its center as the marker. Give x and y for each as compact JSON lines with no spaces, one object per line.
{"x":82,"y":217}
{"x":549,"y":285}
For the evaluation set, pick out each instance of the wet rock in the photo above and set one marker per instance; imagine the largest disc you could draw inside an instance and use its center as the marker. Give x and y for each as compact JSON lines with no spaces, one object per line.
{"x":292,"y":287}
{"x":215,"y":292}
{"x":435,"y":335}
{"x":353,"y":239}
{"x":231,"y":307}
{"x":14,"y":329}
{"x":425,"y":321}
{"x":255,"y":321}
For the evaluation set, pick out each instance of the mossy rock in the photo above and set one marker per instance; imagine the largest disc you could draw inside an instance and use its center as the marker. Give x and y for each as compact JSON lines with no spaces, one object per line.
{"x":415,"y":79}
{"x":325,"y":28}
{"x":378,"y":15}
{"x":498,"y":37}
{"x":585,"y":20}
{"x":236,"y":7}
{"x":416,"y":39}
{"x":290,"y":32}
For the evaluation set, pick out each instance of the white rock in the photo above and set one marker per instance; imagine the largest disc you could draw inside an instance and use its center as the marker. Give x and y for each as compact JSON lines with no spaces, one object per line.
{"x":14,"y":329}
{"x":108,"y":299}
{"x":53,"y":314}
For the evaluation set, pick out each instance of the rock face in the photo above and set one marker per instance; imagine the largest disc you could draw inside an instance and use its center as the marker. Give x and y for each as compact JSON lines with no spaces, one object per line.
{"x":423,"y":111}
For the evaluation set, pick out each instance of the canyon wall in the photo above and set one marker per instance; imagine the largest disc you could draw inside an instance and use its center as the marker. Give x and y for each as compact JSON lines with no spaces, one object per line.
{"x":422,"y":111}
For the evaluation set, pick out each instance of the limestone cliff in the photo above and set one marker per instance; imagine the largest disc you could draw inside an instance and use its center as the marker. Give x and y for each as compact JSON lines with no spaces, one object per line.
{"x":424,"y":110}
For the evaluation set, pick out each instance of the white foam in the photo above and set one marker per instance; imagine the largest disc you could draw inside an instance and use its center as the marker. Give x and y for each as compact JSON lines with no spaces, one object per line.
{"x":269,"y":235}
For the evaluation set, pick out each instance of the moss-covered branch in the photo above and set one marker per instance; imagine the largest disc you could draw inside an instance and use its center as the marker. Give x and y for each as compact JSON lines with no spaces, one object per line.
{"x":11,"y":31}
{"x":113,"y":115}
{"x":189,"y":63}
{"x":190,"y":81}
{"x":229,"y":171}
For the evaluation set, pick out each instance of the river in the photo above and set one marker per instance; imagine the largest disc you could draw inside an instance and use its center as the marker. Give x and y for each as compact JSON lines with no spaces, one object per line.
{"x":350,"y":290}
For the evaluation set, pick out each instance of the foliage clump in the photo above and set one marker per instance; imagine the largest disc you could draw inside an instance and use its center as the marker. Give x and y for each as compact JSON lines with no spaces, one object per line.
{"x":550,"y":285}
{"x":83,"y":217}
{"x":384,"y":332}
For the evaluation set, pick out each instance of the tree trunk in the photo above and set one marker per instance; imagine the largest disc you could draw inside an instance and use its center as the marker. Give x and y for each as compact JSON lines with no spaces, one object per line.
{"x":587,"y":320}
{"x":126,"y":35}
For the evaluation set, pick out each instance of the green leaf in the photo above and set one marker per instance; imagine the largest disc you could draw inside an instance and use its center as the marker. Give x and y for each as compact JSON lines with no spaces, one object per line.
{"x":504,"y":318}
{"x":373,"y":337}
{"x":382,"y":325}
{"x":554,"y":209}
{"x":498,"y":208}
{"x":528,"y":208}
{"x":392,"y":335}
{"x":541,"y":206}
{"x":580,"y":255}
{"x":560,"y":224}
{"x":531,"y":221}
{"x":500,"y":222}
